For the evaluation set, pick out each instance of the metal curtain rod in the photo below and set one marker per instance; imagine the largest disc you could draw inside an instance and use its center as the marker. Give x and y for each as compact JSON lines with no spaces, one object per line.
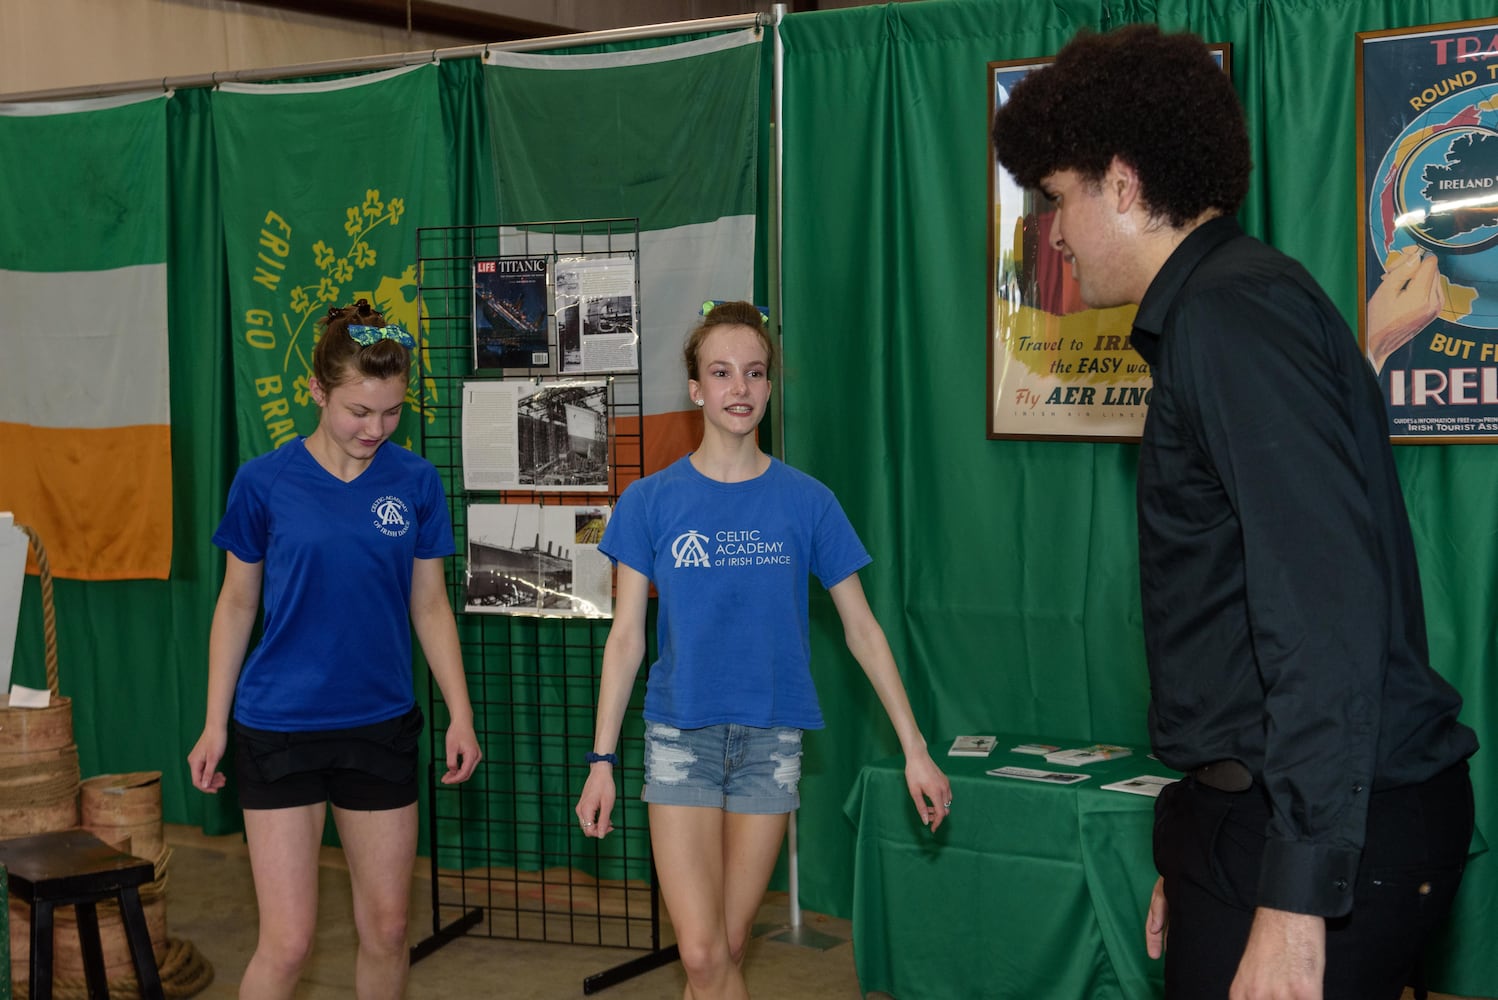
{"x":392,"y":60}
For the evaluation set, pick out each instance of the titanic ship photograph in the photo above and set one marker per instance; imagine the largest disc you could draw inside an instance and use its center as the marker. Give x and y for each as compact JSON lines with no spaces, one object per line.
{"x":562,"y":434}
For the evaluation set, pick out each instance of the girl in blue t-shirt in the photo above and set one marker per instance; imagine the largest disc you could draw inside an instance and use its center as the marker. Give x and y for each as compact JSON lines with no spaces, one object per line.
{"x":344,"y":536}
{"x":729,"y":537}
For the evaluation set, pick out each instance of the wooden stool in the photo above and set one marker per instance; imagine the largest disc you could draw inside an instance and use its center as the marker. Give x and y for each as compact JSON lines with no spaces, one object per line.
{"x":73,"y":867}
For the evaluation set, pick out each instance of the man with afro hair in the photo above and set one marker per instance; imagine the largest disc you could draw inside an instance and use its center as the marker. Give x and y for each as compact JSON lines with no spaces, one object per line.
{"x":1320,"y":831}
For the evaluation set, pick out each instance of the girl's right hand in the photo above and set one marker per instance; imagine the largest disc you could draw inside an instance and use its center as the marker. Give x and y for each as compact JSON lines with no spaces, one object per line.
{"x":204,"y":759}
{"x":596,"y":803}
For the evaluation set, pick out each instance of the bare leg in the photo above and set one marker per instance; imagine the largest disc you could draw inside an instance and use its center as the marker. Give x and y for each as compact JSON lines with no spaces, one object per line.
{"x":283,"y":859}
{"x":713,"y":868}
{"x":751,"y":845}
{"x":381,"y":851}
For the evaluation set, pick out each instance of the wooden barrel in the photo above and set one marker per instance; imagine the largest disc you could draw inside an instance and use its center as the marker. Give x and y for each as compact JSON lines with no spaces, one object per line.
{"x":38,"y":791}
{"x":26,"y":729}
{"x":38,"y":758}
{"x":38,"y":768}
{"x":113,"y":806}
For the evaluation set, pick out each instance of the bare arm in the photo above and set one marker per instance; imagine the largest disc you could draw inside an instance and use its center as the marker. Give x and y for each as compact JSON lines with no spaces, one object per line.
{"x":1285,"y":958}
{"x":869,"y":647}
{"x":622,"y":653}
{"x":1157,"y":921}
{"x":228,"y":639}
{"x":437,"y":631}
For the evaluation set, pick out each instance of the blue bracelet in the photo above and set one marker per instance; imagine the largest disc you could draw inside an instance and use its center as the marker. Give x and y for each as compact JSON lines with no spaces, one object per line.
{"x":602,"y":758}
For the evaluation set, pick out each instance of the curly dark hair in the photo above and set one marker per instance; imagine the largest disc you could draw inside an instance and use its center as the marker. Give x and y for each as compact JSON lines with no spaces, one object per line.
{"x":337,"y":358}
{"x":1157,"y":101}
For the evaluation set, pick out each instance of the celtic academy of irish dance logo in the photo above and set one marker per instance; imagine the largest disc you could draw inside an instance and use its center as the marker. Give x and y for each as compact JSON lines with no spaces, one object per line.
{"x":690,"y":549}
{"x":392,"y":516}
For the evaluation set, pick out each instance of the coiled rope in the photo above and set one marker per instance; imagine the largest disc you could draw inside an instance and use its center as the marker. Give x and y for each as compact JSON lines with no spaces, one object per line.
{"x":183,"y":969}
{"x":49,"y":611}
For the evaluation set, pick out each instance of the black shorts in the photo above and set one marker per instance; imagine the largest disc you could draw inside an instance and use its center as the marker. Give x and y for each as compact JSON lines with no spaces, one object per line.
{"x":366,"y":768}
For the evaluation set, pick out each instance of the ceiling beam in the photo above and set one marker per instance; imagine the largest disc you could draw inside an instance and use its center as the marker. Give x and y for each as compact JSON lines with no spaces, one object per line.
{"x":426,"y":16}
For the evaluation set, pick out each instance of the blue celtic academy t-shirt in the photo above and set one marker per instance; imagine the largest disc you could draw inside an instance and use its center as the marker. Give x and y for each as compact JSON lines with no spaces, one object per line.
{"x":336,"y":647}
{"x":731,"y":562}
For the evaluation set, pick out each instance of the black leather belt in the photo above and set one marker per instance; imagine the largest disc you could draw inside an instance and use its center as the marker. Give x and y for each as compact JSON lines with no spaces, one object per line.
{"x":1225,"y":776}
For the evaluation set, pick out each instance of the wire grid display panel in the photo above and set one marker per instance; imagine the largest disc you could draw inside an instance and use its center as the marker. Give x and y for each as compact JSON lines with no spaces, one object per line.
{"x":506,"y":845}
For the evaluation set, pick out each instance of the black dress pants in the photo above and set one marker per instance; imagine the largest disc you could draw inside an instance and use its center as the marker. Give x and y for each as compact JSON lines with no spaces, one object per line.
{"x":1208,"y":846}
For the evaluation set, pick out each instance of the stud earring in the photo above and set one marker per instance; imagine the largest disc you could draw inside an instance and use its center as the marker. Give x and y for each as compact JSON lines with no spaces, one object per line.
{"x":697,"y":401}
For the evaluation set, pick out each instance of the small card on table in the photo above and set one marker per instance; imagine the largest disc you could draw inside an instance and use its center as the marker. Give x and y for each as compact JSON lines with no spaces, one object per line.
{"x":1145,"y":784}
{"x":972,"y":746}
{"x":1033,"y":774}
{"x":1035,"y":749}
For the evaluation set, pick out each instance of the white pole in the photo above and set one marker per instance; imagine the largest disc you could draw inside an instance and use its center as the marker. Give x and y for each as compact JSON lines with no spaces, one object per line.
{"x":795,"y":892}
{"x":777,"y":90}
{"x":390,"y":61}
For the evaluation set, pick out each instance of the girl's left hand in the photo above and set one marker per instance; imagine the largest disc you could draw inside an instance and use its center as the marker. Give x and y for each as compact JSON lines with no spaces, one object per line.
{"x":929,"y":788}
{"x":462,"y":754}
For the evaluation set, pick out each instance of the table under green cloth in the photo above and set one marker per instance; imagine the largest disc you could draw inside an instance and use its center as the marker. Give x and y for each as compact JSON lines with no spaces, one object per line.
{"x":1028,"y":890}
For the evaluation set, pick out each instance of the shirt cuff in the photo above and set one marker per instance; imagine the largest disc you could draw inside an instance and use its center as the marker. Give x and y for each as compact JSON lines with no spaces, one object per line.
{"x":1308,"y":878}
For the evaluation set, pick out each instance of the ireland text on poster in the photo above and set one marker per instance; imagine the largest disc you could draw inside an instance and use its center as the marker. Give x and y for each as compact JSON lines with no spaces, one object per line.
{"x":1055,"y":367}
{"x":1429,"y":206}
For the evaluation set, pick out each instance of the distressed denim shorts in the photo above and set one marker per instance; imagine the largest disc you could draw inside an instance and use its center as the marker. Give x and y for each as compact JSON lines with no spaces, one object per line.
{"x":739,"y":769}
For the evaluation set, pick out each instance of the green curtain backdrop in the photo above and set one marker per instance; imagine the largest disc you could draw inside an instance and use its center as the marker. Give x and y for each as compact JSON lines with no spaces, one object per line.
{"x":1004,"y":576}
{"x":1005,"y":571}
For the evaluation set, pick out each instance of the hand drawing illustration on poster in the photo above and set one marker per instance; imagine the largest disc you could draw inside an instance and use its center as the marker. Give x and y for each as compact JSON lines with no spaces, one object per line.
{"x":520,"y":435}
{"x":1428,"y":214}
{"x":1056,"y":368}
{"x":530,"y":559}
{"x":510,"y":311}
{"x":597,"y":315}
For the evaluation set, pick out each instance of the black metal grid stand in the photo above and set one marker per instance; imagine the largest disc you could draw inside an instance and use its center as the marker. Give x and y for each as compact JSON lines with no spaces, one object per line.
{"x":508,"y":858}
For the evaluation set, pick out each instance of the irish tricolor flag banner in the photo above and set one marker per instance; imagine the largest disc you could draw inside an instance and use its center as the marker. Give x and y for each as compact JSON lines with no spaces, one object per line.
{"x":323,"y":187}
{"x":85,"y":448}
{"x":666,"y":135}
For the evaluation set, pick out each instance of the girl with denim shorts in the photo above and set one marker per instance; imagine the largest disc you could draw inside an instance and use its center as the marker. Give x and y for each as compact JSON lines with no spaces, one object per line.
{"x":730,"y":536}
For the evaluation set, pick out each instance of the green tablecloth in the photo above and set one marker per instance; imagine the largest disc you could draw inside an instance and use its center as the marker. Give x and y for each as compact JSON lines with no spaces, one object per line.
{"x":1027,"y":891}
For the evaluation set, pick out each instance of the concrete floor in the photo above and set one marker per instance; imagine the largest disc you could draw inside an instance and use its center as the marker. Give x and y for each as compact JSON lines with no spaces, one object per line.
{"x":210,"y":903}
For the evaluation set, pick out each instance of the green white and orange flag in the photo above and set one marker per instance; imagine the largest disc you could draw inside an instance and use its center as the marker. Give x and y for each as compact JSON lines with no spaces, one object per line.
{"x":667,"y":135}
{"x":85,"y":446}
{"x":323,"y":186}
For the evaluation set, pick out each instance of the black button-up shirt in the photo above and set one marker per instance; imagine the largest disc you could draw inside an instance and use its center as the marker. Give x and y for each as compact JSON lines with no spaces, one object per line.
{"x":1282,"y":614}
